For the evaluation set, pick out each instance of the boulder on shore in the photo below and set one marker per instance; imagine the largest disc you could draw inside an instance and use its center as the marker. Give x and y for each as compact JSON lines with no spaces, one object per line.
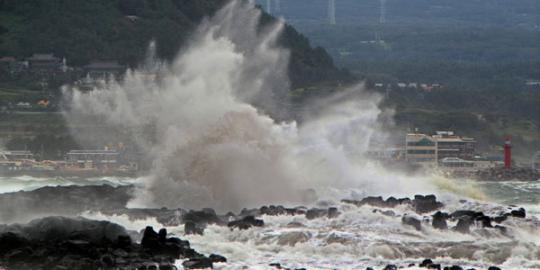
{"x":82,"y":244}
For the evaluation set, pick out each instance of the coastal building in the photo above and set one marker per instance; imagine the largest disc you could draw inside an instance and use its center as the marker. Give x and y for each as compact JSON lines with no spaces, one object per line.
{"x":451,"y":145}
{"x":92,"y":158}
{"x":104,"y":69}
{"x":387,"y":154}
{"x":488,"y":162}
{"x":420,"y":148}
{"x":432,"y":149}
{"x":16,"y":155}
{"x":7,"y":62}
{"x":44,"y":62}
{"x":456,"y":163}
{"x":11,"y":65}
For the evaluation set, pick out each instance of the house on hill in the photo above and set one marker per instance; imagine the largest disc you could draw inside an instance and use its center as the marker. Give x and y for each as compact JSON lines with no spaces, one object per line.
{"x":44,"y":62}
{"x":104,"y":69}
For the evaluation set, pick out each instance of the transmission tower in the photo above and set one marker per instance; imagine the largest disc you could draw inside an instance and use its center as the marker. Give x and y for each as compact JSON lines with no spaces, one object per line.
{"x":269,"y":6}
{"x":332,"y":12}
{"x":535,"y":161}
{"x":382,"y":17}
{"x":277,"y":6}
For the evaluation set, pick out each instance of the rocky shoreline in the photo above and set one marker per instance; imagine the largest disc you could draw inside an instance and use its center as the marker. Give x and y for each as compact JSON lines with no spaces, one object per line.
{"x":503,"y":174}
{"x":77,"y":243}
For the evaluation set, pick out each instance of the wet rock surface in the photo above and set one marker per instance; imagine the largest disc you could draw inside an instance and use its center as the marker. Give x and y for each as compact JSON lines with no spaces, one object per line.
{"x":503,"y":174}
{"x":85,"y":244}
{"x":421,"y":204}
{"x":463,"y":220}
{"x":66,"y":243}
{"x":411,"y":221}
{"x":246,"y":223}
{"x":62,"y":201}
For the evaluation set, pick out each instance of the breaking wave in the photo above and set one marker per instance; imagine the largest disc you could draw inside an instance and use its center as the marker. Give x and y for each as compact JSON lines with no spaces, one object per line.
{"x":204,"y":121}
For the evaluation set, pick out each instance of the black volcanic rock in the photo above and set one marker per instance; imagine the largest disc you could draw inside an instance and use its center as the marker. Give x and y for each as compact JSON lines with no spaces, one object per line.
{"x":421,"y":204}
{"x":150,"y":239}
{"x":466,"y":213}
{"x":485,"y":221}
{"x":191,"y":227}
{"x":314,"y":213}
{"x":519,"y":213}
{"x":198,"y":263}
{"x":205,"y":216}
{"x":501,"y":218}
{"x":425,"y":204}
{"x":333,"y":212}
{"x":246,"y":223}
{"x":215,"y":258}
{"x":463,"y":225}
{"x":426,"y":262}
{"x":196,"y":221}
{"x":439,"y":221}
{"x":411,"y":221}
{"x":62,"y":201}
{"x":81,"y":244}
{"x":273,"y":210}
{"x":503,"y":174}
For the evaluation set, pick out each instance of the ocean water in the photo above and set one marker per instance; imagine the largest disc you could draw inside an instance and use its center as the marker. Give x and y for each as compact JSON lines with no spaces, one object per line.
{"x":28,"y":183}
{"x":214,"y":143}
{"x":359,"y":237}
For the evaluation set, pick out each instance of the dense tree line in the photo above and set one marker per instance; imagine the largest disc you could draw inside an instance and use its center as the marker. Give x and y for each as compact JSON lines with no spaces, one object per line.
{"x":83,"y":31}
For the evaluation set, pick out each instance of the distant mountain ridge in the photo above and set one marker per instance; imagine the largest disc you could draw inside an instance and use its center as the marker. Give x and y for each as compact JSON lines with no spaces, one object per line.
{"x":84,"y":31}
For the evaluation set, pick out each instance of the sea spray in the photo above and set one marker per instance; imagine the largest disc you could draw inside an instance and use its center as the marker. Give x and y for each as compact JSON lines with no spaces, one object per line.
{"x":203,"y":121}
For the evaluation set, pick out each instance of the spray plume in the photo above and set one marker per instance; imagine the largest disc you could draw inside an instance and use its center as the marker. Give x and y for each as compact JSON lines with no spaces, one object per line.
{"x":203,"y":121}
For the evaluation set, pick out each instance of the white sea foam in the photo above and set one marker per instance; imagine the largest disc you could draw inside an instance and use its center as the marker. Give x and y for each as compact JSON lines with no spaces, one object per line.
{"x":205,"y":123}
{"x":359,"y":238}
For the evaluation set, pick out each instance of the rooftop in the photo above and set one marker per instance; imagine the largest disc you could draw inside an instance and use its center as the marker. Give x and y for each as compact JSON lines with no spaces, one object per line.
{"x":43,"y":57}
{"x":7,"y":59}
{"x":92,"y":152}
{"x":104,"y":65}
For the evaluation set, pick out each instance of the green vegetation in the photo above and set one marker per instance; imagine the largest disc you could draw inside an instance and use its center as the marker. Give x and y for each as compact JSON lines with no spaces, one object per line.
{"x":82,"y":31}
{"x":120,"y":30}
{"x":482,"y":53}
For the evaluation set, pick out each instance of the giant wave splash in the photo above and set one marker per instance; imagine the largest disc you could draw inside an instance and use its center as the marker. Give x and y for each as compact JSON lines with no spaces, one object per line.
{"x":204,"y":121}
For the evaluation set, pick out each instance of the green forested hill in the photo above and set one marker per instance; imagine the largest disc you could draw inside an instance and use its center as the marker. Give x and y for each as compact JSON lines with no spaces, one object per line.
{"x":85,"y":30}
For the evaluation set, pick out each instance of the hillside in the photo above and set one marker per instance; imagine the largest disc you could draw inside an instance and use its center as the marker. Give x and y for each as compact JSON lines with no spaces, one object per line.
{"x":84,"y":31}
{"x":484,"y":57}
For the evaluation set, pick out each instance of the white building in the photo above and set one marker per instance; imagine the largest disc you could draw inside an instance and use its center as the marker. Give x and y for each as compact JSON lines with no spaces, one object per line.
{"x":432,"y":149}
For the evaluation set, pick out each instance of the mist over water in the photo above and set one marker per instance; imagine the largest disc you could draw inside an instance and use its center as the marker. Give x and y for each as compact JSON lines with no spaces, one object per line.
{"x":204,"y":121}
